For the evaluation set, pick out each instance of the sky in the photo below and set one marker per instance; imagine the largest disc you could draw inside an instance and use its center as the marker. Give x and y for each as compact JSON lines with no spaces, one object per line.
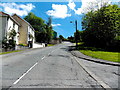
{"x":62,"y":12}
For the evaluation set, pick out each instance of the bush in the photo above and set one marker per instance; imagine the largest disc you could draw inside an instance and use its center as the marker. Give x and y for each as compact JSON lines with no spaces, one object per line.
{"x":8,"y":44}
{"x":22,"y":44}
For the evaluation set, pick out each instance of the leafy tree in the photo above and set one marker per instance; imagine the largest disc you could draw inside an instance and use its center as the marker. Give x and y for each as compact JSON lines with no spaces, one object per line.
{"x":71,"y":39}
{"x":79,"y":35}
{"x":43,"y":32}
{"x":101,"y":26}
{"x":61,"y":37}
{"x":38,"y":24}
{"x":49,"y":31}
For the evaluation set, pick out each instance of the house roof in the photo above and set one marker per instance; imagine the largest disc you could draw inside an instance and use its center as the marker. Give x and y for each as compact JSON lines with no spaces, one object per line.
{"x":3,"y":14}
{"x":7,"y":15}
{"x":23,"y":20}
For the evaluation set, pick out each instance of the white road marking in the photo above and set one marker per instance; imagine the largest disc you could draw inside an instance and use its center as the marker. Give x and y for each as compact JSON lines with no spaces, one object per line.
{"x":25,"y":74}
{"x":49,"y":54}
{"x":104,"y":85}
{"x":29,"y":70}
{"x":43,"y":57}
{"x":53,"y":50}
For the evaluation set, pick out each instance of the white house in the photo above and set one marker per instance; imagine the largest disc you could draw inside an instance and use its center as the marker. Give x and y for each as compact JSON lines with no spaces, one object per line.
{"x":7,"y":24}
{"x":25,"y":32}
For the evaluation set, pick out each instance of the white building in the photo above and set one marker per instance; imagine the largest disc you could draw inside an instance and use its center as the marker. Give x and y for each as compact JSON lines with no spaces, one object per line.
{"x":7,"y":23}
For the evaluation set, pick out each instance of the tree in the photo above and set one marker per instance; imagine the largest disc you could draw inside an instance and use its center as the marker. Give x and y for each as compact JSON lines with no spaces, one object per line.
{"x":61,"y":37}
{"x":49,"y":30}
{"x":38,"y":24}
{"x":101,"y":26}
{"x":71,"y":39}
{"x":79,"y":35}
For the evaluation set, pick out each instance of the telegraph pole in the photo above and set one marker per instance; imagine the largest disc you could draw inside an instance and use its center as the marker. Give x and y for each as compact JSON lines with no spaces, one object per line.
{"x":76,"y":41}
{"x":76,"y":34}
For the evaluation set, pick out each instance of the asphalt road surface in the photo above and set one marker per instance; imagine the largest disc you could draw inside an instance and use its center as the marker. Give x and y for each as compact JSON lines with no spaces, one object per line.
{"x":55,"y":67}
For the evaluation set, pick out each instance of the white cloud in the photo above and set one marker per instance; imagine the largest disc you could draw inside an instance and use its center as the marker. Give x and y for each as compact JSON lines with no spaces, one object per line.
{"x":88,"y":5}
{"x":54,"y":25}
{"x":19,"y":9}
{"x":59,"y":11}
{"x":72,"y":5}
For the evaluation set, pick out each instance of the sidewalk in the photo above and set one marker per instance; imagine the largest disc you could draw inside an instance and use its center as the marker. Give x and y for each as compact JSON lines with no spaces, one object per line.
{"x":82,"y":56}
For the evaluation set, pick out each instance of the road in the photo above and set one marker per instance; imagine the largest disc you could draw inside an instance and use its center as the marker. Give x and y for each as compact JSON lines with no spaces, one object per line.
{"x":55,"y":67}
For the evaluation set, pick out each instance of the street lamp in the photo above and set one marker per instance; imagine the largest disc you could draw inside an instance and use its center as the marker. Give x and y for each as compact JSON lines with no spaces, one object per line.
{"x":76,"y":33}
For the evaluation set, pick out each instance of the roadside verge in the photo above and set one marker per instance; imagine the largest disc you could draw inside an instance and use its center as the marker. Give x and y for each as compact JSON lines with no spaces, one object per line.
{"x":82,"y":56}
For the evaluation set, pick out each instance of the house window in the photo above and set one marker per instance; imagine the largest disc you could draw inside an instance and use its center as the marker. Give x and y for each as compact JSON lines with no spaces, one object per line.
{"x":14,"y":25}
{"x":9,"y":28}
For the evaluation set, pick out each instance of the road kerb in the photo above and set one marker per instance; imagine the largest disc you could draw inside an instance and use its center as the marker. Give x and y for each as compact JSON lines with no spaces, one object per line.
{"x":104,"y":85}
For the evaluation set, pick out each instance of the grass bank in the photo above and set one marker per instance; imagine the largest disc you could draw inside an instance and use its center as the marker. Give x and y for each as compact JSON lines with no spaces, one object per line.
{"x":99,"y":53}
{"x":10,"y":52}
{"x":110,"y":56}
{"x":50,"y":44}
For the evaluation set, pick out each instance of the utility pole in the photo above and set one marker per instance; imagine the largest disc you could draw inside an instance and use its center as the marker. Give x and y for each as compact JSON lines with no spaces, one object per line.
{"x":76,"y":41}
{"x":76,"y":34}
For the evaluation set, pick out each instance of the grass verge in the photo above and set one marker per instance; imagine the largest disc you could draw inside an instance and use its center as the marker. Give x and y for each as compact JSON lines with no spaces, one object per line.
{"x":50,"y":44}
{"x":99,"y":53}
{"x":10,"y":52}
{"x":110,"y":56}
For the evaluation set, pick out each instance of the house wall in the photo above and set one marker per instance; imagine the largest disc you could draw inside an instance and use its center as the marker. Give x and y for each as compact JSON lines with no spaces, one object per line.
{"x":31,"y":31}
{"x":3,"y":25}
{"x":13,"y":25}
{"x":23,"y":37}
{"x":17,"y":35}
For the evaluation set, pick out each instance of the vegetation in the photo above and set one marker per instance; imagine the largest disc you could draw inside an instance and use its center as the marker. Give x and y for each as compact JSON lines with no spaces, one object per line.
{"x":50,"y":45}
{"x":78,"y":35}
{"x":43,"y":31}
{"x":98,"y":53}
{"x":62,"y":38}
{"x":9,"y":43}
{"x":49,"y":30}
{"x":71,"y":39}
{"x":10,"y":52}
{"x":101,"y":27}
{"x":110,"y":56}
{"x":23,"y":44}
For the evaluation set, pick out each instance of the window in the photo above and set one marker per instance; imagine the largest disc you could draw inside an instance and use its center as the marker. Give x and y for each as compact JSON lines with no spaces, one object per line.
{"x":14,"y":25}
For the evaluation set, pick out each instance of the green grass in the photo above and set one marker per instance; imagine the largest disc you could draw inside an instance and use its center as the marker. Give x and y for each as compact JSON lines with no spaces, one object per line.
{"x":50,"y":44}
{"x":110,"y":56}
{"x":10,"y":52}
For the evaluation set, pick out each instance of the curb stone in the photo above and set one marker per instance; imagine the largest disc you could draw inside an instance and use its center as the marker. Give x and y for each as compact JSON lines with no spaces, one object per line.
{"x":82,"y":56}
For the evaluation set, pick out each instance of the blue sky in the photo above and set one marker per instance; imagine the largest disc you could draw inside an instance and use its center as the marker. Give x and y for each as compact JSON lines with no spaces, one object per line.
{"x":62,"y":12}
{"x":63,"y":25}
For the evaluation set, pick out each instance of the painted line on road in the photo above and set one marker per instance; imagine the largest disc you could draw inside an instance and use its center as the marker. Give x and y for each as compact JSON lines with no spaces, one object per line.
{"x":49,"y":54}
{"x":43,"y":57}
{"x":104,"y":85}
{"x":25,"y":73}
